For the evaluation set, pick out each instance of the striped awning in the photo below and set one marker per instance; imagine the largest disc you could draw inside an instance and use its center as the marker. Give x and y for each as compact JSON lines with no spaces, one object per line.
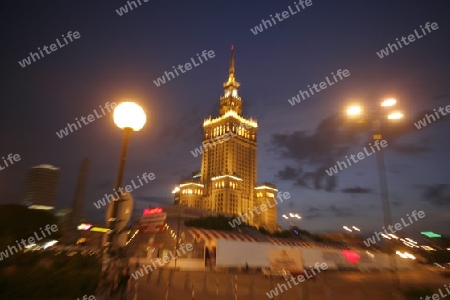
{"x":209,"y":235}
{"x":290,"y":242}
{"x":297,"y":243}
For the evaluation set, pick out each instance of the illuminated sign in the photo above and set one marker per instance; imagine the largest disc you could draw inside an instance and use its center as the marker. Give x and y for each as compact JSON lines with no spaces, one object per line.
{"x":351,"y":256}
{"x":152,"y":211}
{"x":43,"y":207}
{"x":152,"y":223}
{"x":99,"y":229}
{"x":84,"y":226}
{"x":430,"y":234}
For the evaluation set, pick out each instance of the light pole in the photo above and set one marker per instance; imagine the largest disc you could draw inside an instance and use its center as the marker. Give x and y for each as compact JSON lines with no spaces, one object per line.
{"x":291,"y":216}
{"x":130,"y":117}
{"x":377,"y":117}
{"x":178,"y":235}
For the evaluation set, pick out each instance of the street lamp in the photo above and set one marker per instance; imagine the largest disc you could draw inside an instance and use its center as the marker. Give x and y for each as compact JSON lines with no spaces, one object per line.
{"x":130,"y":117}
{"x":377,"y":118}
{"x":346,"y":228}
{"x":395,"y":116}
{"x":389,"y":102}
{"x":354,"y":111}
{"x":291,"y":216}
{"x":351,"y":229}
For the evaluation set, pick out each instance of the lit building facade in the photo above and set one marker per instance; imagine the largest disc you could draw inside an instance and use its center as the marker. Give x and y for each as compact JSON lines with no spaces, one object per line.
{"x":227,"y":183}
{"x":40,"y":187}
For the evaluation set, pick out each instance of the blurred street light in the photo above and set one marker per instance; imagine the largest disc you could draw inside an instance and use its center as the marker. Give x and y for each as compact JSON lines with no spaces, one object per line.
{"x":354,"y":111}
{"x":351,"y":228}
{"x":130,"y":117}
{"x":395,"y":116}
{"x":389,"y":102}
{"x":346,"y":228}
{"x":291,"y":216}
{"x":377,"y":117}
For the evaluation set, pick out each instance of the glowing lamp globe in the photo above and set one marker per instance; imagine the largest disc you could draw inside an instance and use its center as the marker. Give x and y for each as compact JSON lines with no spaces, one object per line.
{"x":395,"y":116}
{"x":389,"y":102}
{"x":129,"y":115}
{"x":354,"y":111}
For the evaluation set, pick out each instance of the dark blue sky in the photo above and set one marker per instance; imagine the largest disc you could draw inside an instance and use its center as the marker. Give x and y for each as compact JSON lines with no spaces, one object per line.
{"x":118,"y":57}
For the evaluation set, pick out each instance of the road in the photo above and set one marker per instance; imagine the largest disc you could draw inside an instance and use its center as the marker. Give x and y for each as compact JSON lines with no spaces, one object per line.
{"x":183,"y":285}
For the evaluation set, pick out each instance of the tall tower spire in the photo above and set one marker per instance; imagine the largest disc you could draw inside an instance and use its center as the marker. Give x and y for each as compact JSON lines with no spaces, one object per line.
{"x":231,"y":69}
{"x":231,"y":100}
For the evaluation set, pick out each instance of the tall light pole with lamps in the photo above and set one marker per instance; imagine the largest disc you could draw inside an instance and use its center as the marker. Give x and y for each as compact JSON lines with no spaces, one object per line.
{"x":128,"y":116}
{"x":377,"y":117}
{"x":291,"y":216}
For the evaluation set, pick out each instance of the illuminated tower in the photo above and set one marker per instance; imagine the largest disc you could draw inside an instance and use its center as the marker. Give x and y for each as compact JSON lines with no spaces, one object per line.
{"x":228,"y":177}
{"x":78,"y":201}
{"x":229,"y":167}
{"x":40,"y":187}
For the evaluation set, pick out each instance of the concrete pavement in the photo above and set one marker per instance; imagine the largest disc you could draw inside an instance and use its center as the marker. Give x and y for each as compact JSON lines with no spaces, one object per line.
{"x":182,"y":285}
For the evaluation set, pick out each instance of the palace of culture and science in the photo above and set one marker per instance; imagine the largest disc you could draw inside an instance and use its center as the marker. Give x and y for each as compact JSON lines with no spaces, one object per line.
{"x":227,"y":182}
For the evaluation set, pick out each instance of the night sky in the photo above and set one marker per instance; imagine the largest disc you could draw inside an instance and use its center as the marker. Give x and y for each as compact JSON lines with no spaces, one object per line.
{"x":117,"y":58}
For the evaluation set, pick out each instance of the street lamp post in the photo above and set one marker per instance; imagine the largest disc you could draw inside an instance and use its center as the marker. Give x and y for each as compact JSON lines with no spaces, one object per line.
{"x":130,"y":117}
{"x":377,"y":117}
{"x":291,"y":216}
{"x":178,"y":234}
{"x":377,"y":128}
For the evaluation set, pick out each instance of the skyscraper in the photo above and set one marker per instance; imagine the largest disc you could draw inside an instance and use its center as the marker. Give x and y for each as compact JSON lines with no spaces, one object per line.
{"x":78,"y":202}
{"x":40,"y":187}
{"x":228,"y":178}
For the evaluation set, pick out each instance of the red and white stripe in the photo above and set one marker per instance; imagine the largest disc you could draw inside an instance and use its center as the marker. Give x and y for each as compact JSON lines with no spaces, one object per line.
{"x":213,"y":235}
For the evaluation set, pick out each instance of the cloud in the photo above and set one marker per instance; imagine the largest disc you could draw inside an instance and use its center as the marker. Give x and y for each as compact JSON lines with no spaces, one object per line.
{"x":330,"y":211}
{"x":397,"y":168}
{"x":332,"y":139}
{"x":421,"y":115}
{"x":356,"y":190}
{"x":313,"y":213}
{"x":288,"y":173}
{"x":440,"y":97}
{"x":341,"y":211}
{"x":329,"y":142}
{"x":436,"y":194}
